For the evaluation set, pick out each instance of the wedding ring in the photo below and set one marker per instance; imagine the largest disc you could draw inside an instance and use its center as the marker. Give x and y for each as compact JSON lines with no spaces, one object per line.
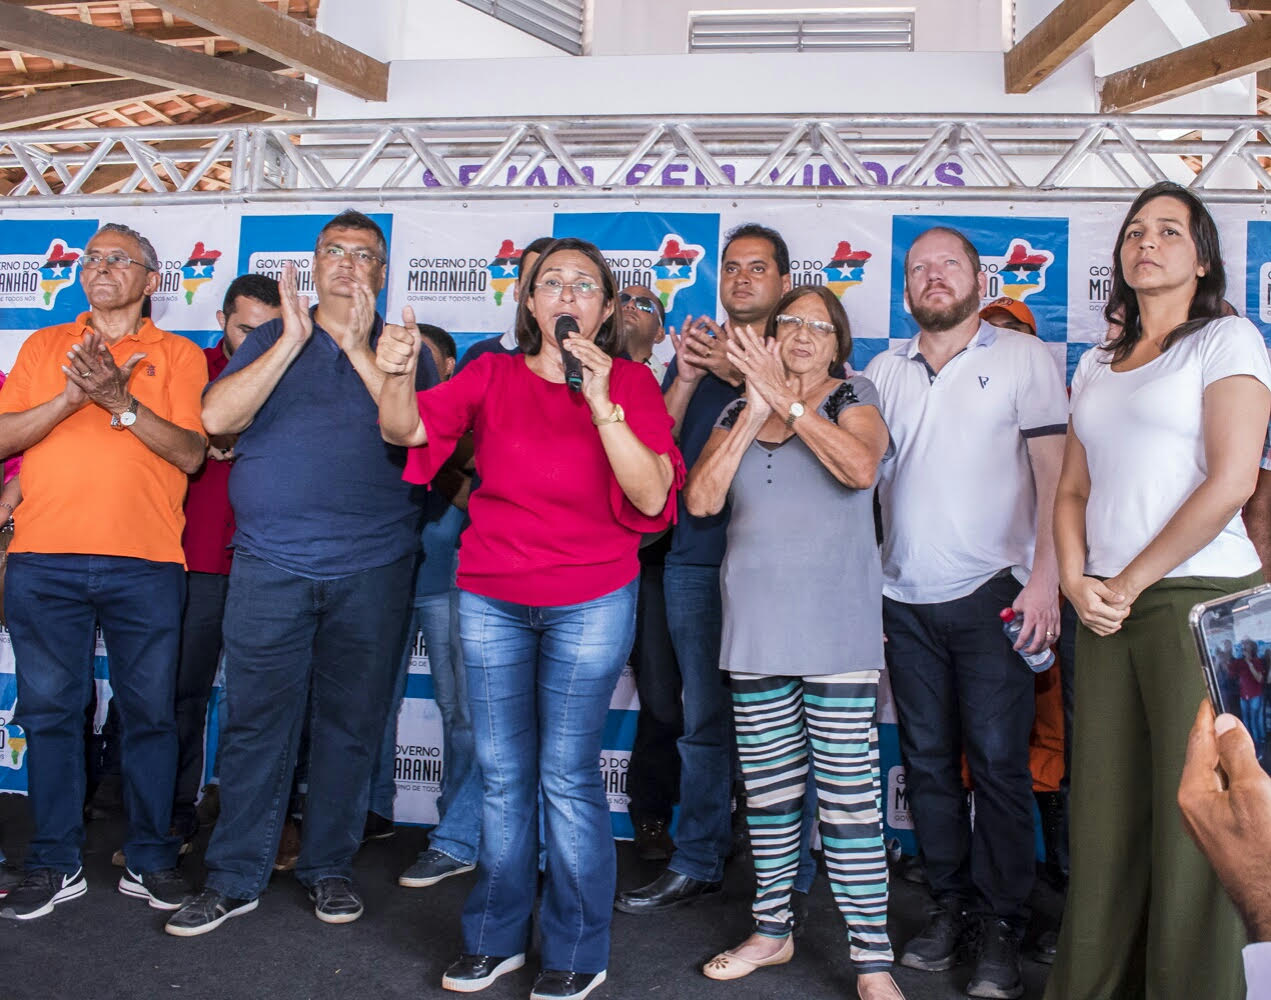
{"x":1050,"y":635}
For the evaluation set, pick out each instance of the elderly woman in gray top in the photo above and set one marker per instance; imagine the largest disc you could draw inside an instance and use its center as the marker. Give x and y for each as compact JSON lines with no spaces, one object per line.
{"x":797,"y":457}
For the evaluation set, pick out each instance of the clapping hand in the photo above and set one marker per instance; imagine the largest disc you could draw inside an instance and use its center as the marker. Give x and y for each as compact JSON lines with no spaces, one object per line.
{"x":297,"y":323}
{"x":704,"y":344}
{"x":93,"y":371}
{"x":686,"y":368}
{"x":397,"y":352}
{"x":759,"y":362}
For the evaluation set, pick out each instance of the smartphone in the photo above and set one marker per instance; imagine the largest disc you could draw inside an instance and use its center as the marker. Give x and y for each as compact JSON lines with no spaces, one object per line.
{"x":1233,"y":637}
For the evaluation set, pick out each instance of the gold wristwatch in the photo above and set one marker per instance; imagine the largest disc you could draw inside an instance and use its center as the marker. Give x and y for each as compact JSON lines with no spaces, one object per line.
{"x":617,"y":416}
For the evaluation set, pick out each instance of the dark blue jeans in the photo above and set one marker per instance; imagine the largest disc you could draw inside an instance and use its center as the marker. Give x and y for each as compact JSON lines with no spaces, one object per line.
{"x":694,"y":614}
{"x":539,"y":683}
{"x":200,"y":656}
{"x":959,"y":686}
{"x":292,"y":642}
{"x":52,"y":603}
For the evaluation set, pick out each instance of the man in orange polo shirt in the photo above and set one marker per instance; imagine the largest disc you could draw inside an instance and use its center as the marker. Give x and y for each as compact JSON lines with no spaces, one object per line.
{"x":106,"y":410}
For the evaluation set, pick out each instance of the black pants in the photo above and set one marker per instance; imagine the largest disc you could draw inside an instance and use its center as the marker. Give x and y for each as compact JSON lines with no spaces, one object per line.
{"x":653,"y":779}
{"x":200,"y":654}
{"x":959,"y":686}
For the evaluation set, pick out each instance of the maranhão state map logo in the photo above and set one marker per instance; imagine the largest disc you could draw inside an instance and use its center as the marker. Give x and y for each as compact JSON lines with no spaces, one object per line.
{"x":846,"y":269}
{"x":198,"y":270}
{"x":675,"y":268}
{"x":57,"y":271}
{"x":504,"y":269}
{"x":1018,"y":273}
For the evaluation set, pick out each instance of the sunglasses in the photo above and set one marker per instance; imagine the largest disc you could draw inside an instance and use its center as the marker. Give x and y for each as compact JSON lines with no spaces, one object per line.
{"x":641,"y":302}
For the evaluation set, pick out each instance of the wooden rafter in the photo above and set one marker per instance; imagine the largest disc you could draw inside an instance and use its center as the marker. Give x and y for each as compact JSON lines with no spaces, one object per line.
{"x":1251,"y":6}
{"x":153,"y":62}
{"x":264,"y":30}
{"x":1060,"y":34}
{"x":19,"y":112}
{"x":1224,"y":57}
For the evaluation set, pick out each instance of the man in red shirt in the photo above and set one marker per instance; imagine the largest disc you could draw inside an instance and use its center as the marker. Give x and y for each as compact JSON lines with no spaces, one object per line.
{"x":250,"y":301}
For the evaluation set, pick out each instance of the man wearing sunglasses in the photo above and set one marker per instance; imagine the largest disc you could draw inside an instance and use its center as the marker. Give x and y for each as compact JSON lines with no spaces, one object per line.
{"x":644,"y":323}
{"x":106,"y":411}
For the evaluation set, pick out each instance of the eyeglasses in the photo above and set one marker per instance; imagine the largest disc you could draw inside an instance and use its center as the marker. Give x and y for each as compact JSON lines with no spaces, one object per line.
{"x":365,"y":258}
{"x":815,"y":325}
{"x":115,"y":261}
{"x":641,"y":302}
{"x":553,"y":289}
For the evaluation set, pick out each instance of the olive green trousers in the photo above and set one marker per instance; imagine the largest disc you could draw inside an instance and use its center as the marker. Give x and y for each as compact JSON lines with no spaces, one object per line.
{"x":1146,"y":917}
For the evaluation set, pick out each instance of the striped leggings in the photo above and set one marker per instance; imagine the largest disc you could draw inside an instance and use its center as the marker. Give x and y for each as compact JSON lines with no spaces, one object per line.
{"x":777,"y":720}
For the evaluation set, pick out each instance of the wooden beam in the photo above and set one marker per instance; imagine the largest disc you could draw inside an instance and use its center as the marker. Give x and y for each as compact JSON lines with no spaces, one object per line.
{"x":19,"y":112}
{"x":141,"y":59}
{"x":1250,"y":6}
{"x":53,"y":78}
{"x":288,"y":40}
{"x":1060,"y":34}
{"x":1224,"y":57}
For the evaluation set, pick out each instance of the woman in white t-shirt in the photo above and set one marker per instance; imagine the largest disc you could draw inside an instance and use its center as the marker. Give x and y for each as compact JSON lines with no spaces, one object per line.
{"x":1168,"y":418}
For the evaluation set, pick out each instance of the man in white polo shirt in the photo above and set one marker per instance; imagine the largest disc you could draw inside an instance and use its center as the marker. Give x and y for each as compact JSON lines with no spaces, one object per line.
{"x":978,"y":416}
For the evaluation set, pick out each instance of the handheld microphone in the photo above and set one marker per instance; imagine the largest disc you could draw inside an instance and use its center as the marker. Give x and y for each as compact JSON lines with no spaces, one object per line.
{"x":567,"y":325}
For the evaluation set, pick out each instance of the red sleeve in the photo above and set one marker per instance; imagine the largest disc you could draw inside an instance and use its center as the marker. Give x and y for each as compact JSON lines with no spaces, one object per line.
{"x":641,"y":400}
{"x":448,"y":411}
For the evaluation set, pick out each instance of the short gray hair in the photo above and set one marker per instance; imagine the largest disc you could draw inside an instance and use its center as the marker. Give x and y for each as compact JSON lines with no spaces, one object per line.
{"x":149,"y":257}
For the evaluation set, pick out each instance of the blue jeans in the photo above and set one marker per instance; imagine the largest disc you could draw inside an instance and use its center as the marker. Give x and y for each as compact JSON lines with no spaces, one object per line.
{"x":540,"y":681}
{"x":52,"y":602}
{"x":458,"y":831}
{"x":694,"y":614}
{"x":292,"y":642}
{"x":959,"y":686}
{"x":1251,"y":710}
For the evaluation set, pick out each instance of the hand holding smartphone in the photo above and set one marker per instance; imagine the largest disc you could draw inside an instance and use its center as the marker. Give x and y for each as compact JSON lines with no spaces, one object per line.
{"x":1233,"y":637}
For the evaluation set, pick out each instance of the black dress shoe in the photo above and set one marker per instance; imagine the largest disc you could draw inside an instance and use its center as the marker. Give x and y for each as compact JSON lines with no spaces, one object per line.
{"x":553,"y":984}
{"x":667,"y":890}
{"x":470,"y":973}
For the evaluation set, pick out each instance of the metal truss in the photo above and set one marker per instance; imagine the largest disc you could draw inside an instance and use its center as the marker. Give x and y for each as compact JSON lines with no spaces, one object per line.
{"x":995,"y":157}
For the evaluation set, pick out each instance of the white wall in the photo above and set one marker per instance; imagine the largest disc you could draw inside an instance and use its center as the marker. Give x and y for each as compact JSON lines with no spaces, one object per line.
{"x":449,"y":60}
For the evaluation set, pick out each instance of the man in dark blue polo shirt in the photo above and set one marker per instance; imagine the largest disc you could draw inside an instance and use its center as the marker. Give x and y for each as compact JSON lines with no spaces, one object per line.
{"x":320,"y":589}
{"x":753,"y":275}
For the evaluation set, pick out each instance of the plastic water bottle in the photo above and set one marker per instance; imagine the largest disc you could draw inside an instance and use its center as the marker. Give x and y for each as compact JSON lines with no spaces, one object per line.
{"x":1013,"y":625}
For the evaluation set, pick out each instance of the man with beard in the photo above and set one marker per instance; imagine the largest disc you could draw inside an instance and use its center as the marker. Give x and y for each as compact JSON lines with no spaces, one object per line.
{"x":977,"y":415}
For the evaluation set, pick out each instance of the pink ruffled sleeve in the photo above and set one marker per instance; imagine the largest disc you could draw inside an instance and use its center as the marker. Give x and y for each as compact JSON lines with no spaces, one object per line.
{"x":637,"y":391}
{"x":448,"y":411}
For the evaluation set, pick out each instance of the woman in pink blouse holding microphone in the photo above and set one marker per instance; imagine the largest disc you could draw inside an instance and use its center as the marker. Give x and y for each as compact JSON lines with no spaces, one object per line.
{"x":570,"y":477}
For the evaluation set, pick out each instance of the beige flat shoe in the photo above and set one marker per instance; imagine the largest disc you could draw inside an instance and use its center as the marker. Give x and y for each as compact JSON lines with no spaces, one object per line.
{"x":726,"y":965}
{"x":878,"y":987}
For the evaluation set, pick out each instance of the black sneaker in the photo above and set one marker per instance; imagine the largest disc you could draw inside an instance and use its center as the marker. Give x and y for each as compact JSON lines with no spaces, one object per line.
{"x":1046,"y":948}
{"x":997,"y":974}
{"x":471,"y":973}
{"x":335,"y":901}
{"x":206,"y":912}
{"x":430,"y":868}
{"x":377,"y":827}
{"x":939,"y":944}
{"x":552,"y":984}
{"x":11,"y":876}
{"x":39,"y":891}
{"x":166,"y":889}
